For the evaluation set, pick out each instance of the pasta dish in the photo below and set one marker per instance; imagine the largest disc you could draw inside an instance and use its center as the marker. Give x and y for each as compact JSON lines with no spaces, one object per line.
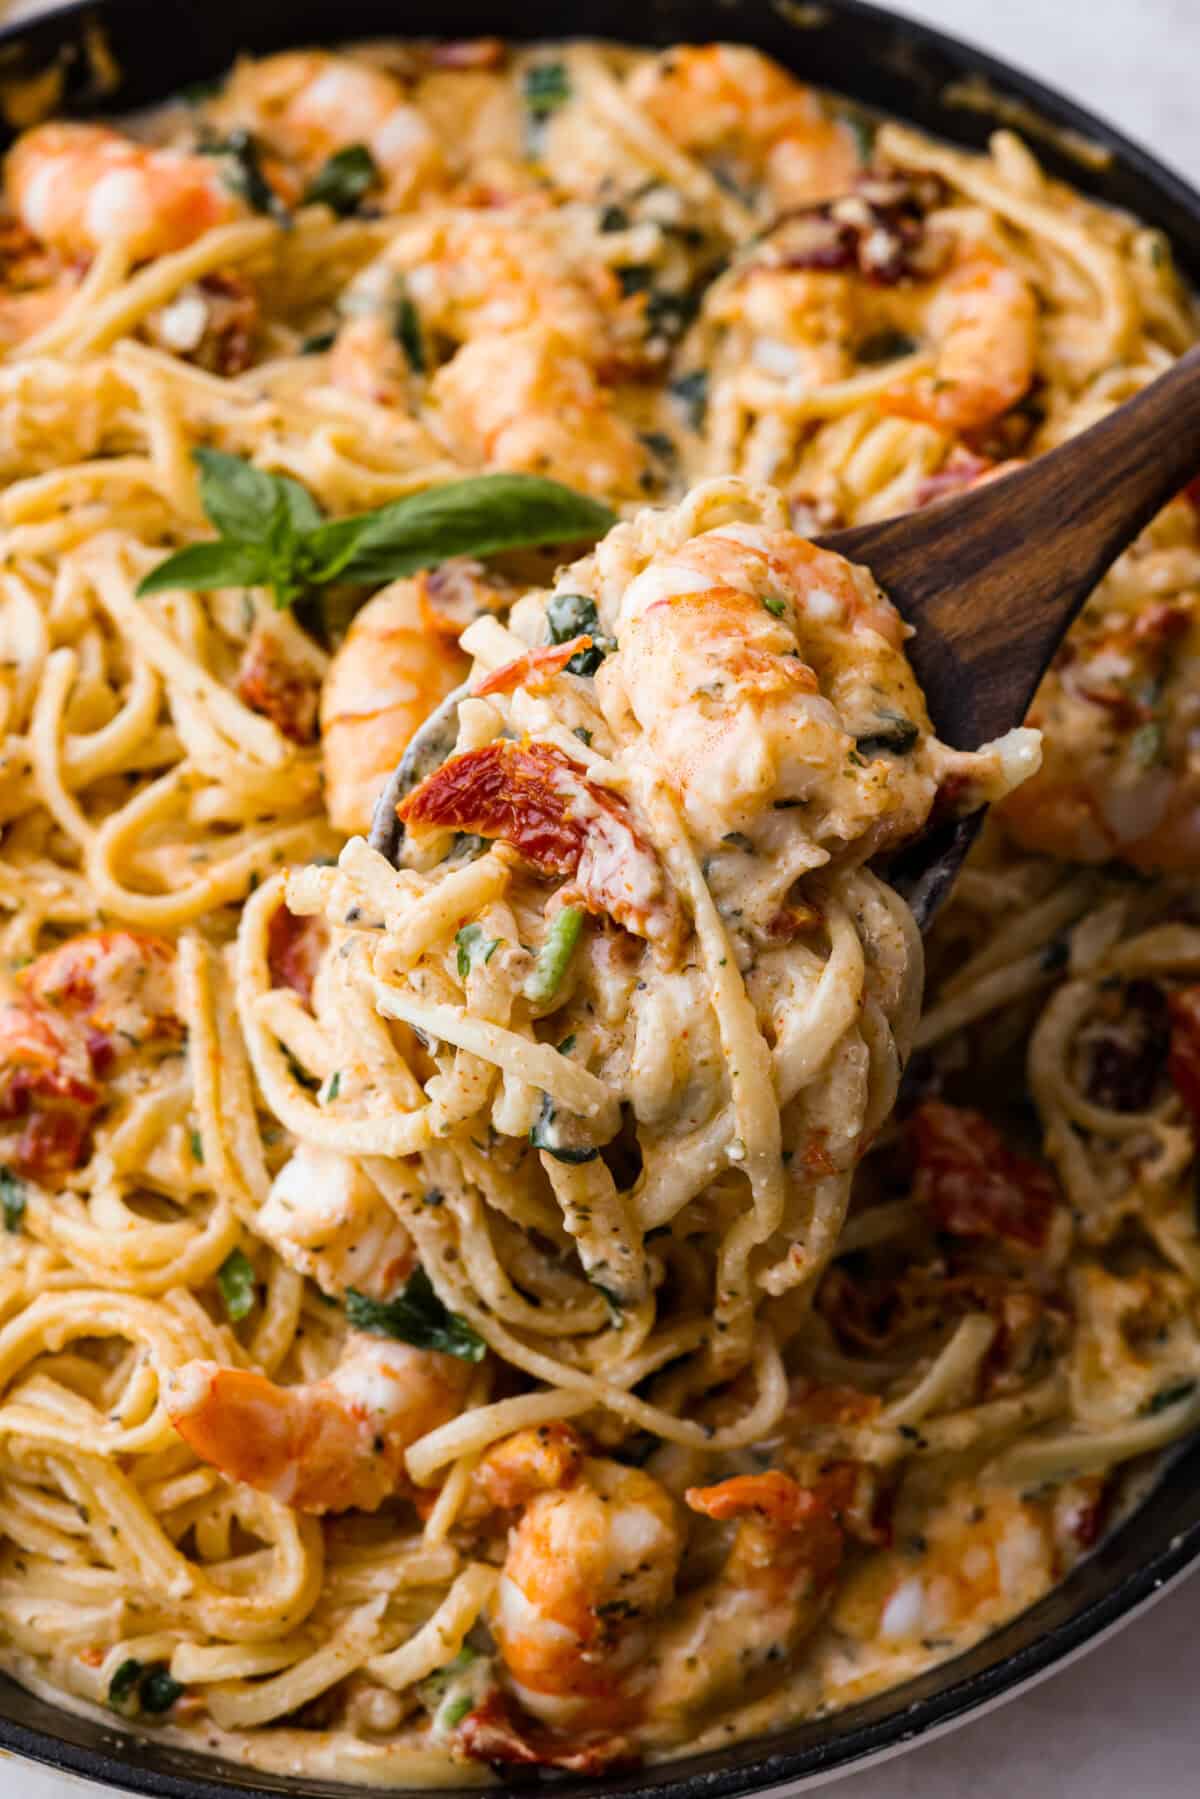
{"x":535,"y":1269}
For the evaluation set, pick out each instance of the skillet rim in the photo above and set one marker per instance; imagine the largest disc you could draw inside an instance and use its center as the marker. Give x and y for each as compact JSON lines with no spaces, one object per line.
{"x":810,"y":1753}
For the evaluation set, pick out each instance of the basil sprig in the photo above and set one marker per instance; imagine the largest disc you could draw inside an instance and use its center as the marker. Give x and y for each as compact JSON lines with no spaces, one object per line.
{"x":416,"y":1315}
{"x":273,"y":534}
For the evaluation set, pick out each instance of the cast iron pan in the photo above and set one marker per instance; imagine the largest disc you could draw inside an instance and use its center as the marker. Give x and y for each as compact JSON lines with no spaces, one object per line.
{"x":902,"y":68}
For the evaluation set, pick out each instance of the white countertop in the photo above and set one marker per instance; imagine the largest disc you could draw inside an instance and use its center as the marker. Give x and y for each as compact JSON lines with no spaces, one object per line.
{"x":1121,"y":1723}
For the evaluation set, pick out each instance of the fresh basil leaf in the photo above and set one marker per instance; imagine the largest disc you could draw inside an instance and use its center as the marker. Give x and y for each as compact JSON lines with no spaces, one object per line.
{"x":12,"y":1200}
{"x":241,"y":501}
{"x":474,"y":517}
{"x":297,"y":504}
{"x":416,"y":1315}
{"x":344,"y":179}
{"x":235,"y":1278}
{"x":207,"y":565}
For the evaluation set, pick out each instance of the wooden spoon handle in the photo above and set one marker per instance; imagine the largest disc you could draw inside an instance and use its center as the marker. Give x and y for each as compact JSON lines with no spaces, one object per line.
{"x":992,"y":580}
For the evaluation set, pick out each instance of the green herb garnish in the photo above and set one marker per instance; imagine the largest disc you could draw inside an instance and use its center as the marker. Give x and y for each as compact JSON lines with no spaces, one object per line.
{"x":886,"y":346}
{"x":416,"y":1315}
{"x":669,"y":315}
{"x":1166,"y":1397}
{"x":616,"y":1311}
{"x":196,"y":1145}
{"x":241,"y":171}
{"x":546,"y":87}
{"x":776,"y":607}
{"x":344,"y":180}
{"x":473,"y":947}
{"x":159,"y":1690}
{"x":333,"y":1086}
{"x":894,"y":735}
{"x":235,"y":1278}
{"x":273,"y":534}
{"x":137,"y":1687}
{"x":12,"y":1200}
{"x":545,"y":1133}
{"x":571,"y":615}
{"x":691,"y":390}
{"x":123,"y":1688}
{"x":553,"y":959}
{"x":635,"y":278}
{"x":406,"y":329}
{"x":1147,"y":744}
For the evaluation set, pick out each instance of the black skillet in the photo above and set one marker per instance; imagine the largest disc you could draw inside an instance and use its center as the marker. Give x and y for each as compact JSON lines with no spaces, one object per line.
{"x":899,"y":67}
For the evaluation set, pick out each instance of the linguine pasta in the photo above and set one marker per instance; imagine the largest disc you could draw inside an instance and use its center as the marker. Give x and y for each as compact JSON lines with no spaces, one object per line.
{"x":561,"y":1293}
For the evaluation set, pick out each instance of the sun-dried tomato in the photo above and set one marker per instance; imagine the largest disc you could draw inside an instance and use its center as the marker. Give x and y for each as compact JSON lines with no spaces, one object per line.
{"x":532,"y":797}
{"x":493,"y":1733}
{"x":294,"y":948}
{"x":973,"y":1184}
{"x":285,"y":692}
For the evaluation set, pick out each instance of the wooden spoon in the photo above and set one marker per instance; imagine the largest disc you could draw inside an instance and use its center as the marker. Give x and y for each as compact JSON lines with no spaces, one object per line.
{"x":990,"y":580}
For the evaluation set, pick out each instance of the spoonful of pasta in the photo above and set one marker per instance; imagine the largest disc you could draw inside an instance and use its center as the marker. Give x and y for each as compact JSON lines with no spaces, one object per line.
{"x":989,"y":582}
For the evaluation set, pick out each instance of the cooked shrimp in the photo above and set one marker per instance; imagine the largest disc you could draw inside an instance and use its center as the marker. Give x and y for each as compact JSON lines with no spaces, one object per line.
{"x":739,"y":653}
{"x":308,"y":104}
{"x":588,"y":1565}
{"x":527,"y":400}
{"x":774,"y":1587}
{"x":333,"y":1445}
{"x":742,"y":113}
{"x":398,"y":662}
{"x":984,"y":1554}
{"x":472,"y":275}
{"x":811,"y":308}
{"x":325,"y":1218}
{"x":983,"y":320}
{"x":367,"y":360}
{"x":1121,"y":777}
{"x":80,"y":187}
{"x":75,"y":1017}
